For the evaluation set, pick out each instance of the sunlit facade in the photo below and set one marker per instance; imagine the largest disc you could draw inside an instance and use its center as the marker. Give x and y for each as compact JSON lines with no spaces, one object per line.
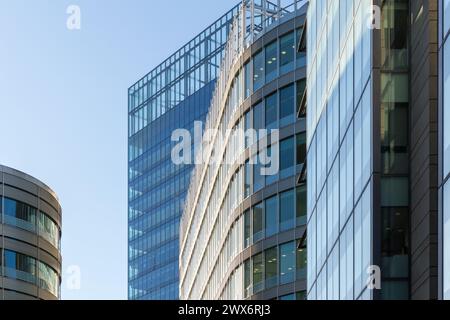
{"x":358,"y":149}
{"x":243,"y":233}
{"x":172,"y":96}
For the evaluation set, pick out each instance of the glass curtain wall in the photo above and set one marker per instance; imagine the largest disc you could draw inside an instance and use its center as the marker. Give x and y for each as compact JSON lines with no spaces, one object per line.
{"x":339,"y":128}
{"x":395,"y":150}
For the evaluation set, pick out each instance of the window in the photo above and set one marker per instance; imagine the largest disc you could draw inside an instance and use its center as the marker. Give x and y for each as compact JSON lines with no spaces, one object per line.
{"x":358,"y":54}
{"x":301,"y":148}
{"x":321,"y":231}
{"x":301,"y":205}
{"x":395,"y":243}
{"x":394,"y":290}
{"x":247,"y":81}
{"x":311,"y":177}
{"x":346,"y":90}
{"x":321,"y":152}
{"x":271,"y":178}
{"x":287,"y":53}
{"x":258,"y":178}
{"x":20,"y":215}
{"x":395,"y":34}
{"x":248,"y":126}
{"x":333,"y":124}
{"x":346,"y":178}
{"x":287,"y":262}
{"x":271,"y":62}
{"x":346,"y":262}
{"x":333,"y":274}
{"x":362,"y":240}
{"x":312,"y":251}
{"x":258,"y":214}
{"x":258,"y":118}
{"x":366,"y":135}
{"x":48,"y":229}
{"x":287,"y":106}
{"x":333,"y":205}
{"x":48,"y":279}
{"x":301,"y":86}
{"x":358,"y":152}
{"x":271,"y":111}
{"x":258,"y":272}
{"x":446,"y":108}
{"x":247,"y":182}
{"x":19,"y":266}
{"x":394,"y":138}
{"x":271,"y":267}
{"x":301,"y":56}
{"x":258,"y":71}
{"x":301,"y":262}
{"x":247,"y":279}
{"x":247,"y":229}
{"x":394,"y":192}
{"x":287,"y":155}
{"x":271,"y":216}
{"x":287,"y":210}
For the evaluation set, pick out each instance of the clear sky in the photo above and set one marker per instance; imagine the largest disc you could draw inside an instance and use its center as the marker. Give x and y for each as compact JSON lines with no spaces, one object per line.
{"x":63,"y":112}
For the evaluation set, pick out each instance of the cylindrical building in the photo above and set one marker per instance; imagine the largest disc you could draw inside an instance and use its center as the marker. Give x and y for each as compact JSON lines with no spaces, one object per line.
{"x":242,"y":235}
{"x":30,"y":238}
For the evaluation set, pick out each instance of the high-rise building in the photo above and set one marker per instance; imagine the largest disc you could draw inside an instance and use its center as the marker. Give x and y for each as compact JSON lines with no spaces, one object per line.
{"x":172,"y":96}
{"x":243,"y":231}
{"x":30,"y":238}
{"x":444,"y":147}
{"x":372,"y":149}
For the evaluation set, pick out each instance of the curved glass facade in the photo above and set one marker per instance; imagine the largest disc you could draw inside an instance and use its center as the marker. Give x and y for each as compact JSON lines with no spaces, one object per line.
{"x":30,"y":238}
{"x":15,"y":265}
{"x":242,"y":230}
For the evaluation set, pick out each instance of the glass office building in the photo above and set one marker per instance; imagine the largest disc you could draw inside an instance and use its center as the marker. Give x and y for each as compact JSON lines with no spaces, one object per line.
{"x":358,"y":149}
{"x":339,"y":128}
{"x":444,"y":32}
{"x":30,"y":238}
{"x":242,"y":232}
{"x":172,"y":96}
{"x":373,"y":148}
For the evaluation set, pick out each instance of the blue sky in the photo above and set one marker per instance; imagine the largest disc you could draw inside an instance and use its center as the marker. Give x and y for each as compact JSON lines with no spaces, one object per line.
{"x":63,"y":112}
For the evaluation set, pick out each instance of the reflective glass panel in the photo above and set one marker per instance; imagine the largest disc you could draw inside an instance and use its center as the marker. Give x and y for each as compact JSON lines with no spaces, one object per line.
{"x":258,"y":218}
{"x":287,"y":262}
{"x":271,"y":262}
{"x":271,"y":62}
{"x":287,"y":53}
{"x":287,"y":106}
{"x":258,"y":273}
{"x":258,"y":71}
{"x":271,"y":211}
